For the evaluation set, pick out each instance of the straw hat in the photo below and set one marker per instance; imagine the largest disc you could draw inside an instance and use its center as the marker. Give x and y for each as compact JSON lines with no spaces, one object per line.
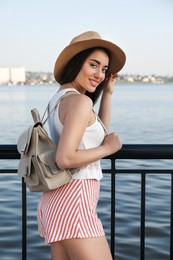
{"x":85,"y":41}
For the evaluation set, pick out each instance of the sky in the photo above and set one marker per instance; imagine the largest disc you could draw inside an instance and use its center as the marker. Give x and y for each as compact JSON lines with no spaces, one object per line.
{"x":33,"y":32}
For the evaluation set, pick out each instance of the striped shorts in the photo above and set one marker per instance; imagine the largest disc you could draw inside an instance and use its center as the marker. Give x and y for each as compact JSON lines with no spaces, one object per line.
{"x":70,"y":212}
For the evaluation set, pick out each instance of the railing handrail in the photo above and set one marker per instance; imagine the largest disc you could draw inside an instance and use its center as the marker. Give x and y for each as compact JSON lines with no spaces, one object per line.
{"x":128,"y":151}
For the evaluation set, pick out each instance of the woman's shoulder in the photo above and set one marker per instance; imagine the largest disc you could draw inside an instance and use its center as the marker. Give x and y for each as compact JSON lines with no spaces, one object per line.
{"x":79,"y":101}
{"x":79,"y":106}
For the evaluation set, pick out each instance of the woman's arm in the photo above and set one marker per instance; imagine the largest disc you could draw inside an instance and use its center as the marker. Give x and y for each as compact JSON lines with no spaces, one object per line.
{"x":78,"y":116}
{"x":105,"y":104}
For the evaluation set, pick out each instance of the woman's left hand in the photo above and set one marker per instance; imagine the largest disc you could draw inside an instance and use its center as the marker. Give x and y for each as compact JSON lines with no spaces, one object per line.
{"x":110,"y":83}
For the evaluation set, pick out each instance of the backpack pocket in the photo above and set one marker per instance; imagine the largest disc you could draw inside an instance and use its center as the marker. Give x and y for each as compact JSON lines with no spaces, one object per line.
{"x":24,"y":168}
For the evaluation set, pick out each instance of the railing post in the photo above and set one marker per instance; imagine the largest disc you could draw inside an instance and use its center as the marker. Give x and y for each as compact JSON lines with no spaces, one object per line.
{"x":113,"y":208}
{"x":24,"y":221}
{"x":142,"y":237}
{"x":171,"y":219}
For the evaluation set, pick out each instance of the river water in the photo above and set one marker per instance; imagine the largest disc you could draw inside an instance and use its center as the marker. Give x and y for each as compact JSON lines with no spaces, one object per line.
{"x":141,"y":114}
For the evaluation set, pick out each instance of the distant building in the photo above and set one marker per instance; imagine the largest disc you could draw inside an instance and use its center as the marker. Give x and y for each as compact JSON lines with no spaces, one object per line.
{"x":130,"y":79}
{"x":4,"y":75}
{"x":146,"y":79}
{"x":14,"y":75}
{"x":17,"y":75}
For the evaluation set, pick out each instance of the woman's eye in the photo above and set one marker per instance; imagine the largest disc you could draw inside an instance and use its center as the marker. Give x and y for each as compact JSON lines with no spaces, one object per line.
{"x":93,"y":65}
{"x":105,"y":70}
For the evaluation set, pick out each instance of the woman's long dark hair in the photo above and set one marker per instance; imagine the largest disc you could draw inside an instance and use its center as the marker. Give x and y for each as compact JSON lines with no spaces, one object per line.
{"x":74,"y":66}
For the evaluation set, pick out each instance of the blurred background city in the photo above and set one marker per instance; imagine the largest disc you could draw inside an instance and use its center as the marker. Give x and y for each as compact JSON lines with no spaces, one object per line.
{"x":19,"y":76}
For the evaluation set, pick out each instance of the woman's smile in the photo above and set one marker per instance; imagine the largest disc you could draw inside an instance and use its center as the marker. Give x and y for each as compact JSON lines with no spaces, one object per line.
{"x":94,"y":83}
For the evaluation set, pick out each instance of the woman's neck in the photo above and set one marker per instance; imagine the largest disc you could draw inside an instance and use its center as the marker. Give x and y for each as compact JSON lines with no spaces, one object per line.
{"x":73,"y":85}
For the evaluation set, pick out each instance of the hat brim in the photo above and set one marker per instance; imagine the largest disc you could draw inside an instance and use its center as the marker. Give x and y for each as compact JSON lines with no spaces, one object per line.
{"x":117,"y":61}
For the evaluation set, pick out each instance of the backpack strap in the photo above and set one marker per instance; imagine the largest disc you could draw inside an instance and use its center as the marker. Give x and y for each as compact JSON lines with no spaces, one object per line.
{"x":35,"y":115}
{"x":104,"y":127}
{"x":102,"y":124}
{"x":57,"y":102}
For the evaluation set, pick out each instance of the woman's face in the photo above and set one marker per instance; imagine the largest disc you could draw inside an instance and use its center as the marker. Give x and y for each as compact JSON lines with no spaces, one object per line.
{"x":93,"y":71}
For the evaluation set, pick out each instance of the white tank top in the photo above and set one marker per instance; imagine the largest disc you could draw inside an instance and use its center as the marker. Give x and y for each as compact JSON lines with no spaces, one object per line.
{"x":92,"y":137}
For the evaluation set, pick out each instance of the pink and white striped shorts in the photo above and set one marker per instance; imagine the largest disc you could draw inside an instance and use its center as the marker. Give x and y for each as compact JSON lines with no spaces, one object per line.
{"x":70,"y":212}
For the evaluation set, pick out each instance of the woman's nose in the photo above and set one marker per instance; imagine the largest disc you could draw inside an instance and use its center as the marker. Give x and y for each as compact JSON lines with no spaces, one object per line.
{"x":98,"y":74}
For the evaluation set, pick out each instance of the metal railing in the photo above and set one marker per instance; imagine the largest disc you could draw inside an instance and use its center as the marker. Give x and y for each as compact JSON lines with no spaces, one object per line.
{"x":127,"y":152}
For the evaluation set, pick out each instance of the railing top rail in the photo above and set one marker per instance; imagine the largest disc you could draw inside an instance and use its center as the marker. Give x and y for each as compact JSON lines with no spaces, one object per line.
{"x":145,"y":151}
{"x":128,"y":151}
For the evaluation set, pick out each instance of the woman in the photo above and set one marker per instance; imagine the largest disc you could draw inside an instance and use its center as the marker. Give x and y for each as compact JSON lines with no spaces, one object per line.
{"x":86,"y":69}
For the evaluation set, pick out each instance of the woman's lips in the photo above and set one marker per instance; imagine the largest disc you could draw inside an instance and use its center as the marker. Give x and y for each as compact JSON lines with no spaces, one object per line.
{"x":94,"y":83}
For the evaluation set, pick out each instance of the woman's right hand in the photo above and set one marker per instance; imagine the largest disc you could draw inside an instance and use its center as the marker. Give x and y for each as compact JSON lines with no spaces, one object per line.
{"x":112,"y":143}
